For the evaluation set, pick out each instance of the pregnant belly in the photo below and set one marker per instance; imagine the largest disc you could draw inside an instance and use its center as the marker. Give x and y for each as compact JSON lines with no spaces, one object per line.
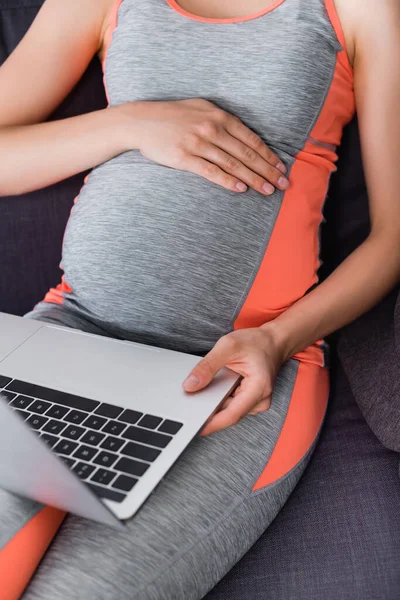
{"x":163,"y":255}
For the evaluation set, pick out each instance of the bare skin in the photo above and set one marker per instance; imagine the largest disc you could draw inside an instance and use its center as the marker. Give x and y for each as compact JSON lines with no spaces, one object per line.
{"x":205,"y":140}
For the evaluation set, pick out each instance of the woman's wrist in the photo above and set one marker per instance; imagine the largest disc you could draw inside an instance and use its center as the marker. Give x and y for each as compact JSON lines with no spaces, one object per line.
{"x":279,"y":338}
{"x":127,"y":119}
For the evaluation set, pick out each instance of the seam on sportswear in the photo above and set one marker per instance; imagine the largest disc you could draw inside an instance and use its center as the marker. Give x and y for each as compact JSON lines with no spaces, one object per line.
{"x":265,"y":460}
{"x":322,"y":144}
{"x":190,"y":546}
{"x":266,"y":240}
{"x":303,"y":459}
{"x":333,"y":15}
{"x":246,"y":495}
{"x":323,"y":101}
{"x":253,"y":274}
{"x":242,"y":500}
{"x":31,"y":515}
{"x":263,"y":249}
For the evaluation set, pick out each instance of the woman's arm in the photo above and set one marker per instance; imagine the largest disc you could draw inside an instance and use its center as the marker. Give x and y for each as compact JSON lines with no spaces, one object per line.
{"x":374,"y":268}
{"x":34,"y":80}
{"x":371,"y":271}
{"x":192,"y":135}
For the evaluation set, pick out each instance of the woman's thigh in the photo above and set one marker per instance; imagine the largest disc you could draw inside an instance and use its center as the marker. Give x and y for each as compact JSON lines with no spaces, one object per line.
{"x":206,"y":513}
{"x":338,"y":537}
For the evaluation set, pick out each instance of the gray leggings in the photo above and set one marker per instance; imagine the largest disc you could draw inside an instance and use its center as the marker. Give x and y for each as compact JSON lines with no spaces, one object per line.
{"x":216,"y":501}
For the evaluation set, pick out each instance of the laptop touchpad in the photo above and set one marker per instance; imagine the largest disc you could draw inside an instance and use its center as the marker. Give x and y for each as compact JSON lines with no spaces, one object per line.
{"x":92,"y":366}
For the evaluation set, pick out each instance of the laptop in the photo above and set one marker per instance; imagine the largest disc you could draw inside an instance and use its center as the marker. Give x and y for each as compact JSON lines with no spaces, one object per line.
{"x":89,"y":424}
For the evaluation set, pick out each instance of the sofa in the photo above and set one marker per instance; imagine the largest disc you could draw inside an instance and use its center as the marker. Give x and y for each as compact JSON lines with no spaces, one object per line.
{"x":338,"y":536}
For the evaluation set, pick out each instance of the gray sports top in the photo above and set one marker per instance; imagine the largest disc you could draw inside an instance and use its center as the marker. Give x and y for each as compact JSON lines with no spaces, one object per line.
{"x":165,"y":257}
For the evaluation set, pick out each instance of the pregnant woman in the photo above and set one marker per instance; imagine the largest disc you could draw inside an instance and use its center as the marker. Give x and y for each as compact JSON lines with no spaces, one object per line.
{"x":198,"y":230}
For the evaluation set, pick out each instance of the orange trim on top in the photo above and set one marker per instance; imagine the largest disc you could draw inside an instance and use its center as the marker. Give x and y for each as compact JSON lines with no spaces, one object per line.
{"x":20,"y":558}
{"x":337,"y":25}
{"x":110,"y":30}
{"x":56,"y":295}
{"x":302,"y":424}
{"x":177,"y":8}
{"x":289,"y":266}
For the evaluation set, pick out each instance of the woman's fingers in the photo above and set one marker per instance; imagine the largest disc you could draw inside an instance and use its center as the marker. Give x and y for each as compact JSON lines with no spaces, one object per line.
{"x":240,"y":131}
{"x":253,"y":160}
{"x":248,"y":395}
{"x":255,"y":173}
{"x":261,"y":407}
{"x":229,"y":144}
{"x":213,"y":173}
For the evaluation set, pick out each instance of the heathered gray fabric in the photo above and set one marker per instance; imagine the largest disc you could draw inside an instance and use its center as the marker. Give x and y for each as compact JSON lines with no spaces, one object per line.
{"x":204,"y":508}
{"x":200,"y":521}
{"x":163,"y":256}
{"x":14,"y":513}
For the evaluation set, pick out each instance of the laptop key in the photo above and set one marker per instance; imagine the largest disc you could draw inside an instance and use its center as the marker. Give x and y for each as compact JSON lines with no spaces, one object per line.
{"x":112,"y":443}
{"x":152,"y":438}
{"x":7,"y":395}
{"x":106,"y":493}
{"x":85,"y":452}
{"x":57,"y":411}
{"x":171,"y":427}
{"x":65,"y":447}
{"x":83,"y":470}
{"x":108,"y":410}
{"x":105,"y":459}
{"x":50,"y":440}
{"x":75,"y":416}
{"x":103,"y":476}
{"x":54,"y":427}
{"x":36,"y":421}
{"x":21,"y":402}
{"x":39,"y":406}
{"x":139,"y":451}
{"x":38,"y":391}
{"x":124,"y":483}
{"x":150,"y":422}
{"x":93,"y":438}
{"x":130,"y":416}
{"x":132,"y":467}
{"x":94,"y":422}
{"x":114,"y":427}
{"x":4,"y":381}
{"x":73,"y":433}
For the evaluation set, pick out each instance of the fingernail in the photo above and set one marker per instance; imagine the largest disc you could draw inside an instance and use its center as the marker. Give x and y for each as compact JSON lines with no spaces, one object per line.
{"x":268,"y":188}
{"x":281,"y":167}
{"x":242,"y":187}
{"x":283,"y":183}
{"x":191,"y":381}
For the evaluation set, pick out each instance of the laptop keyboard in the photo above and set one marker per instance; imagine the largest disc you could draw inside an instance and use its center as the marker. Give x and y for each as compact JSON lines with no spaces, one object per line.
{"x":107,"y":446}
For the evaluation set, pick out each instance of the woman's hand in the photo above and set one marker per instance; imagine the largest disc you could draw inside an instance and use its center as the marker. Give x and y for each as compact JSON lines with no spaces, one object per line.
{"x":195,"y":135}
{"x":252,"y":353}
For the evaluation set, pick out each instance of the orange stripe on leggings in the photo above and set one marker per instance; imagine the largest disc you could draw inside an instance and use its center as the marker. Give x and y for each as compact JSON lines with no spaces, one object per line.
{"x":21,"y":556}
{"x":303,"y":421}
